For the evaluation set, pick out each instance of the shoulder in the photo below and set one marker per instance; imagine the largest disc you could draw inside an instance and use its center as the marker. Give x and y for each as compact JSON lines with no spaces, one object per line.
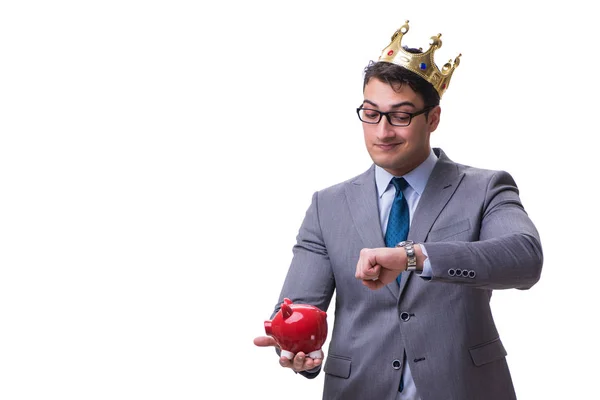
{"x":479,"y":172}
{"x":332,"y":197}
{"x":475,"y":174}
{"x":489,"y":177}
{"x":364,"y":179}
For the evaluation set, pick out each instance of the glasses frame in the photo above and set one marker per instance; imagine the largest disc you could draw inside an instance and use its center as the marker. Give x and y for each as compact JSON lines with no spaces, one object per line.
{"x":387,"y":115}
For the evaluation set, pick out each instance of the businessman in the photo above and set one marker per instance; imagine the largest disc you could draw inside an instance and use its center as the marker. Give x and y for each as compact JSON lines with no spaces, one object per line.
{"x":413,"y":249}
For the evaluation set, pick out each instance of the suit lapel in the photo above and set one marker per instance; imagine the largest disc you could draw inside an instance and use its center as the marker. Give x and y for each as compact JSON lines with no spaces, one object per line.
{"x":361,"y":194}
{"x":442,"y":184}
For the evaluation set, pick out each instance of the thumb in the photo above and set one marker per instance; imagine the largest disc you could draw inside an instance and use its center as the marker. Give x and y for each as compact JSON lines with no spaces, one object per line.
{"x":264,"y":341}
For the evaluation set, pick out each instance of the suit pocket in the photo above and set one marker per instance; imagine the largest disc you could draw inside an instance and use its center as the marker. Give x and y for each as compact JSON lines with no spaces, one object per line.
{"x":338,"y":366}
{"x":487,"y":352}
{"x":447,"y":231}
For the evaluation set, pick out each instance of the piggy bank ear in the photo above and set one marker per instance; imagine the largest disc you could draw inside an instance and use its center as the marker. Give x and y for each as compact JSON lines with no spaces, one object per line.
{"x":286,"y":311}
{"x":287,"y":301}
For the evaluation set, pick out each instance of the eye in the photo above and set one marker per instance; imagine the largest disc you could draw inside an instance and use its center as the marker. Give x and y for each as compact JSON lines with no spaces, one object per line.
{"x":370,"y":114}
{"x":400,"y":117}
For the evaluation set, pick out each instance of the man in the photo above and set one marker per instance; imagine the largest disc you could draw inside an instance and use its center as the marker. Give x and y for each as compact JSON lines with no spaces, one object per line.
{"x":450,"y":233}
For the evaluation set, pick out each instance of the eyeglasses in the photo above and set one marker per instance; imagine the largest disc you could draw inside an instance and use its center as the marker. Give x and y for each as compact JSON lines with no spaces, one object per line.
{"x":395,"y":118}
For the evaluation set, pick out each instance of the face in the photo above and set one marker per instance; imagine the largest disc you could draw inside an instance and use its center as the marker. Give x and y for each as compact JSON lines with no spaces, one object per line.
{"x":397,"y":149}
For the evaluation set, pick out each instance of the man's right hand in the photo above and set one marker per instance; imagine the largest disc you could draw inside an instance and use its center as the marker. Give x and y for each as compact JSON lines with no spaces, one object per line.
{"x":300,"y":362}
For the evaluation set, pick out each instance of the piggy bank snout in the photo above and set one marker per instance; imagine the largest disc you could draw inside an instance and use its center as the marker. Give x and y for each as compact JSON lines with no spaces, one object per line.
{"x":268,"y":328}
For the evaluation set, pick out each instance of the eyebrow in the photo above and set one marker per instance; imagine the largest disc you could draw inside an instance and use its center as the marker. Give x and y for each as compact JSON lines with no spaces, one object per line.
{"x":404,"y":103}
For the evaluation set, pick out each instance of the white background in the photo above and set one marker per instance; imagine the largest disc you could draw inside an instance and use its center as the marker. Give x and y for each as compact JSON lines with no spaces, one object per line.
{"x":157,"y":158}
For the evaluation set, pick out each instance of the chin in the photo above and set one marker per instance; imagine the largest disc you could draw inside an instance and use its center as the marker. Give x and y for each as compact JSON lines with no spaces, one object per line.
{"x":388,"y":164}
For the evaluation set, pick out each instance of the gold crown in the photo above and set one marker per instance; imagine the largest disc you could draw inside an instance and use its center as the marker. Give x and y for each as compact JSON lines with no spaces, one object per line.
{"x":421,"y":64}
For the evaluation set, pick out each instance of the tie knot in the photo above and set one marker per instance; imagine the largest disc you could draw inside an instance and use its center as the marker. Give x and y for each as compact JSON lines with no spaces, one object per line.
{"x":399,"y":183}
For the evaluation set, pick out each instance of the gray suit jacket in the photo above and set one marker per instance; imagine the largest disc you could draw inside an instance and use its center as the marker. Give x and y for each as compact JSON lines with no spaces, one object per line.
{"x":478,"y":238}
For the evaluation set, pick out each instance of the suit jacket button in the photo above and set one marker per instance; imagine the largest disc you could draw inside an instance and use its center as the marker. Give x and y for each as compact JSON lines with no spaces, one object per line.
{"x":404,"y":316}
{"x":465,"y":273}
{"x":451,"y":272}
{"x":396,"y":364}
{"x":472,"y":274}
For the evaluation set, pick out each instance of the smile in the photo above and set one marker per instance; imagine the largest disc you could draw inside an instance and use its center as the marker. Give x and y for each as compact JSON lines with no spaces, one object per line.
{"x":387,"y":147}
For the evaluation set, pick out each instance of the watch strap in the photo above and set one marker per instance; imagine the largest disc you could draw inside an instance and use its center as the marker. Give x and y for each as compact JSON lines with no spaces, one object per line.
{"x":411,"y":257}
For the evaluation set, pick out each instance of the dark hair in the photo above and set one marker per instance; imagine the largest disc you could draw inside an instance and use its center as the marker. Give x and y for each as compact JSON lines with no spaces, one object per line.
{"x":393,"y":75}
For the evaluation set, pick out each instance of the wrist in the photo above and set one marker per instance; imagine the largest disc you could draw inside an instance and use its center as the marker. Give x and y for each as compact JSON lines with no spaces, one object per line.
{"x":421,"y":257}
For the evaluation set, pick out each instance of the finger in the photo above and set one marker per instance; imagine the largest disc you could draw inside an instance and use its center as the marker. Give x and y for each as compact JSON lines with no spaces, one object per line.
{"x":366,"y":270}
{"x":362,"y":264}
{"x":311,"y":363}
{"x":358,"y":272}
{"x":299,"y":361}
{"x":285,"y":362}
{"x":371,"y":272}
{"x":264,"y":341}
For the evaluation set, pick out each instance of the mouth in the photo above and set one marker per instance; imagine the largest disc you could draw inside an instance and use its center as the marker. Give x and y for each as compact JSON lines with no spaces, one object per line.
{"x":387,"y":146}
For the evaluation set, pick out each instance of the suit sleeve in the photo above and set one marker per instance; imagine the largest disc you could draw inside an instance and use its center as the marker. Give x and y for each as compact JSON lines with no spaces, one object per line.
{"x":310,"y":278}
{"x":508,"y":253}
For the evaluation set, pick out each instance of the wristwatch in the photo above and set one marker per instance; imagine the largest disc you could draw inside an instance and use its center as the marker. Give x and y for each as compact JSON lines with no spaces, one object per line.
{"x":411,"y":258}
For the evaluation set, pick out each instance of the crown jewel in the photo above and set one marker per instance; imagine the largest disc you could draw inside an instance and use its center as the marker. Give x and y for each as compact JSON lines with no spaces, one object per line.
{"x":421,"y":64}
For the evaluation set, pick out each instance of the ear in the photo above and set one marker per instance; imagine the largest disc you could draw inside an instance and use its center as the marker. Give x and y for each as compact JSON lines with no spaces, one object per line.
{"x":286,"y":311}
{"x":433,"y":119}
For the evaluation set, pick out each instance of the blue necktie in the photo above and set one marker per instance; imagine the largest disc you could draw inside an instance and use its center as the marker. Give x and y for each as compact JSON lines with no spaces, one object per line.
{"x":397,"y":226}
{"x":399,"y":220}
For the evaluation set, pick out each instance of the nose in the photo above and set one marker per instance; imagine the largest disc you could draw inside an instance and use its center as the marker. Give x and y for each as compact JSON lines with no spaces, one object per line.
{"x":385,"y":129}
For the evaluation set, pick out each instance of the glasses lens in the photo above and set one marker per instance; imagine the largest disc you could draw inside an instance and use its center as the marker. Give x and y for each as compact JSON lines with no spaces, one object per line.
{"x":400,"y":118}
{"x":369,"y":116}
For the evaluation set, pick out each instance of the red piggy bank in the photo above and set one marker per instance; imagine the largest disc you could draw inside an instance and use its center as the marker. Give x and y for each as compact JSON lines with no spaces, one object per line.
{"x":298,"y":327}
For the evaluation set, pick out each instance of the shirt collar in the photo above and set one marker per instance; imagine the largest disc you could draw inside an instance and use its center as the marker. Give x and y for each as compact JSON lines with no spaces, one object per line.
{"x":417,"y":178}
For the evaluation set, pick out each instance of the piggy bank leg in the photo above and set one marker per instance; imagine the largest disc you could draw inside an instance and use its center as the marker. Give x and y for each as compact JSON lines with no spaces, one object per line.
{"x":287,"y":354}
{"x":315,"y":354}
